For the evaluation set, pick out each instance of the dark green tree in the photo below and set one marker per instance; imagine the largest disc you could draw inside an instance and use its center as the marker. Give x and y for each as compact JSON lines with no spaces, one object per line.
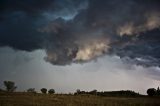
{"x":51,"y":91}
{"x":93,"y":92}
{"x":78,"y":91}
{"x":31,"y":90}
{"x":10,"y":86}
{"x":44,"y":90}
{"x":158,"y":91}
{"x":1,"y":90}
{"x":151,"y":91}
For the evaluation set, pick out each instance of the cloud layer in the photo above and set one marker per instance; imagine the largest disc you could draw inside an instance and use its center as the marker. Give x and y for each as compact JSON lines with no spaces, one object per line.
{"x":82,"y":30}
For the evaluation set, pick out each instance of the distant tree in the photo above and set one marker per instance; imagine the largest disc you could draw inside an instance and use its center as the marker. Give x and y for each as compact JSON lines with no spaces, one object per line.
{"x":158,"y":91}
{"x":10,"y":86}
{"x":93,"y":92}
{"x":1,"y":90}
{"x":44,"y":90}
{"x":51,"y":91}
{"x":78,"y":91}
{"x":31,"y":90}
{"x":151,"y":91}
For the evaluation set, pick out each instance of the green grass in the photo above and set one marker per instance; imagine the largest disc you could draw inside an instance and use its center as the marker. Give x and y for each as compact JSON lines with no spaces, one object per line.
{"x":26,"y":99}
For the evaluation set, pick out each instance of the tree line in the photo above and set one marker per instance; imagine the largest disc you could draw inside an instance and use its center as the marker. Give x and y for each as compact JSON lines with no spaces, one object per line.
{"x":126,"y":93}
{"x":153,"y":92}
{"x":11,"y":87}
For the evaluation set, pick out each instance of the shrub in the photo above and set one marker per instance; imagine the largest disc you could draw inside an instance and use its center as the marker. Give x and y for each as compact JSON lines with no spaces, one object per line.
{"x":151,"y":91}
{"x":10,"y":86}
{"x":31,"y":90}
{"x":44,"y":90}
{"x":51,"y":91}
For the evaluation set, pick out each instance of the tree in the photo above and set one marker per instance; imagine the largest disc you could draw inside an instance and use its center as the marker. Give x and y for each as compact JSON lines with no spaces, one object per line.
{"x":158,"y":91}
{"x":78,"y":91}
{"x":10,"y":86}
{"x":151,"y":91}
{"x":44,"y":90}
{"x":93,"y":92}
{"x":31,"y":90}
{"x":51,"y":91}
{"x":1,"y":90}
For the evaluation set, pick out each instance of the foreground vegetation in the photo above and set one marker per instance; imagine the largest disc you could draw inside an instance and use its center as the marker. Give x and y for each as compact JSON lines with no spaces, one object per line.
{"x":31,"y":99}
{"x":8,"y":97}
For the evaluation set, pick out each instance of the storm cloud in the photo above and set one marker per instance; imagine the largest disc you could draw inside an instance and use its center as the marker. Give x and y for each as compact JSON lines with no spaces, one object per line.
{"x":78,"y":31}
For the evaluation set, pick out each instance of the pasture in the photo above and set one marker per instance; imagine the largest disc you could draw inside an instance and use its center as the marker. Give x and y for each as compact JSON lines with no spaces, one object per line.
{"x":29,"y":99}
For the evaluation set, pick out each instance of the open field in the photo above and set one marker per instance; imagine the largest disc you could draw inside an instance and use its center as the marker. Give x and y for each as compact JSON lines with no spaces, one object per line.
{"x":25,"y":99}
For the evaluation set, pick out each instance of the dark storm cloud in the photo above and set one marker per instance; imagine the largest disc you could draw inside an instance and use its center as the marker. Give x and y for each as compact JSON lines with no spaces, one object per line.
{"x":28,"y":6}
{"x":142,"y":50}
{"x":79,"y":32}
{"x":17,"y":23}
{"x":20,"y":20}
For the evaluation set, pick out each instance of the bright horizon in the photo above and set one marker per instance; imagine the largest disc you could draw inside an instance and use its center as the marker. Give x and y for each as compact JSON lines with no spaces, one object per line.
{"x":108,"y":73}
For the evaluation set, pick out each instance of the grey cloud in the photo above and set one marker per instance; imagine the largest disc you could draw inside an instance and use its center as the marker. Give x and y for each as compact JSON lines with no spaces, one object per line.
{"x":129,"y":29}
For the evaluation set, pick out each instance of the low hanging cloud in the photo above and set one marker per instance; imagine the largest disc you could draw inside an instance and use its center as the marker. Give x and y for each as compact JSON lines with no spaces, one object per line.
{"x":83,"y":30}
{"x":91,"y":50}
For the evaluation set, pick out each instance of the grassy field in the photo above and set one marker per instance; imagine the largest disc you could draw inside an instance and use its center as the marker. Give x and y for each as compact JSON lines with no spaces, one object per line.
{"x":25,"y":99}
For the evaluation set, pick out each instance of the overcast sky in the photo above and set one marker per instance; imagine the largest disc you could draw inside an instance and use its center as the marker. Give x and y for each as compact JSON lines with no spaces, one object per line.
{"x":80,"y":44}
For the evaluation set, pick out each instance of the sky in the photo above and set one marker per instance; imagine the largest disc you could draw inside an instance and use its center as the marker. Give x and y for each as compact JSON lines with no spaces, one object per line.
{"x":80,"y":44}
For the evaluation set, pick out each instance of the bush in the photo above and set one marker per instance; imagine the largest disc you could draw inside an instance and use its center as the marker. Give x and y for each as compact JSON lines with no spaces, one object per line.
{"x":158,"y":91}
{"x":10,"y":86}
{"x":51,"y":91}
{"x":31,"y":90}
{"x":44,"y":90}
{"x":1,"y":90}
{"x":151,"y":91}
